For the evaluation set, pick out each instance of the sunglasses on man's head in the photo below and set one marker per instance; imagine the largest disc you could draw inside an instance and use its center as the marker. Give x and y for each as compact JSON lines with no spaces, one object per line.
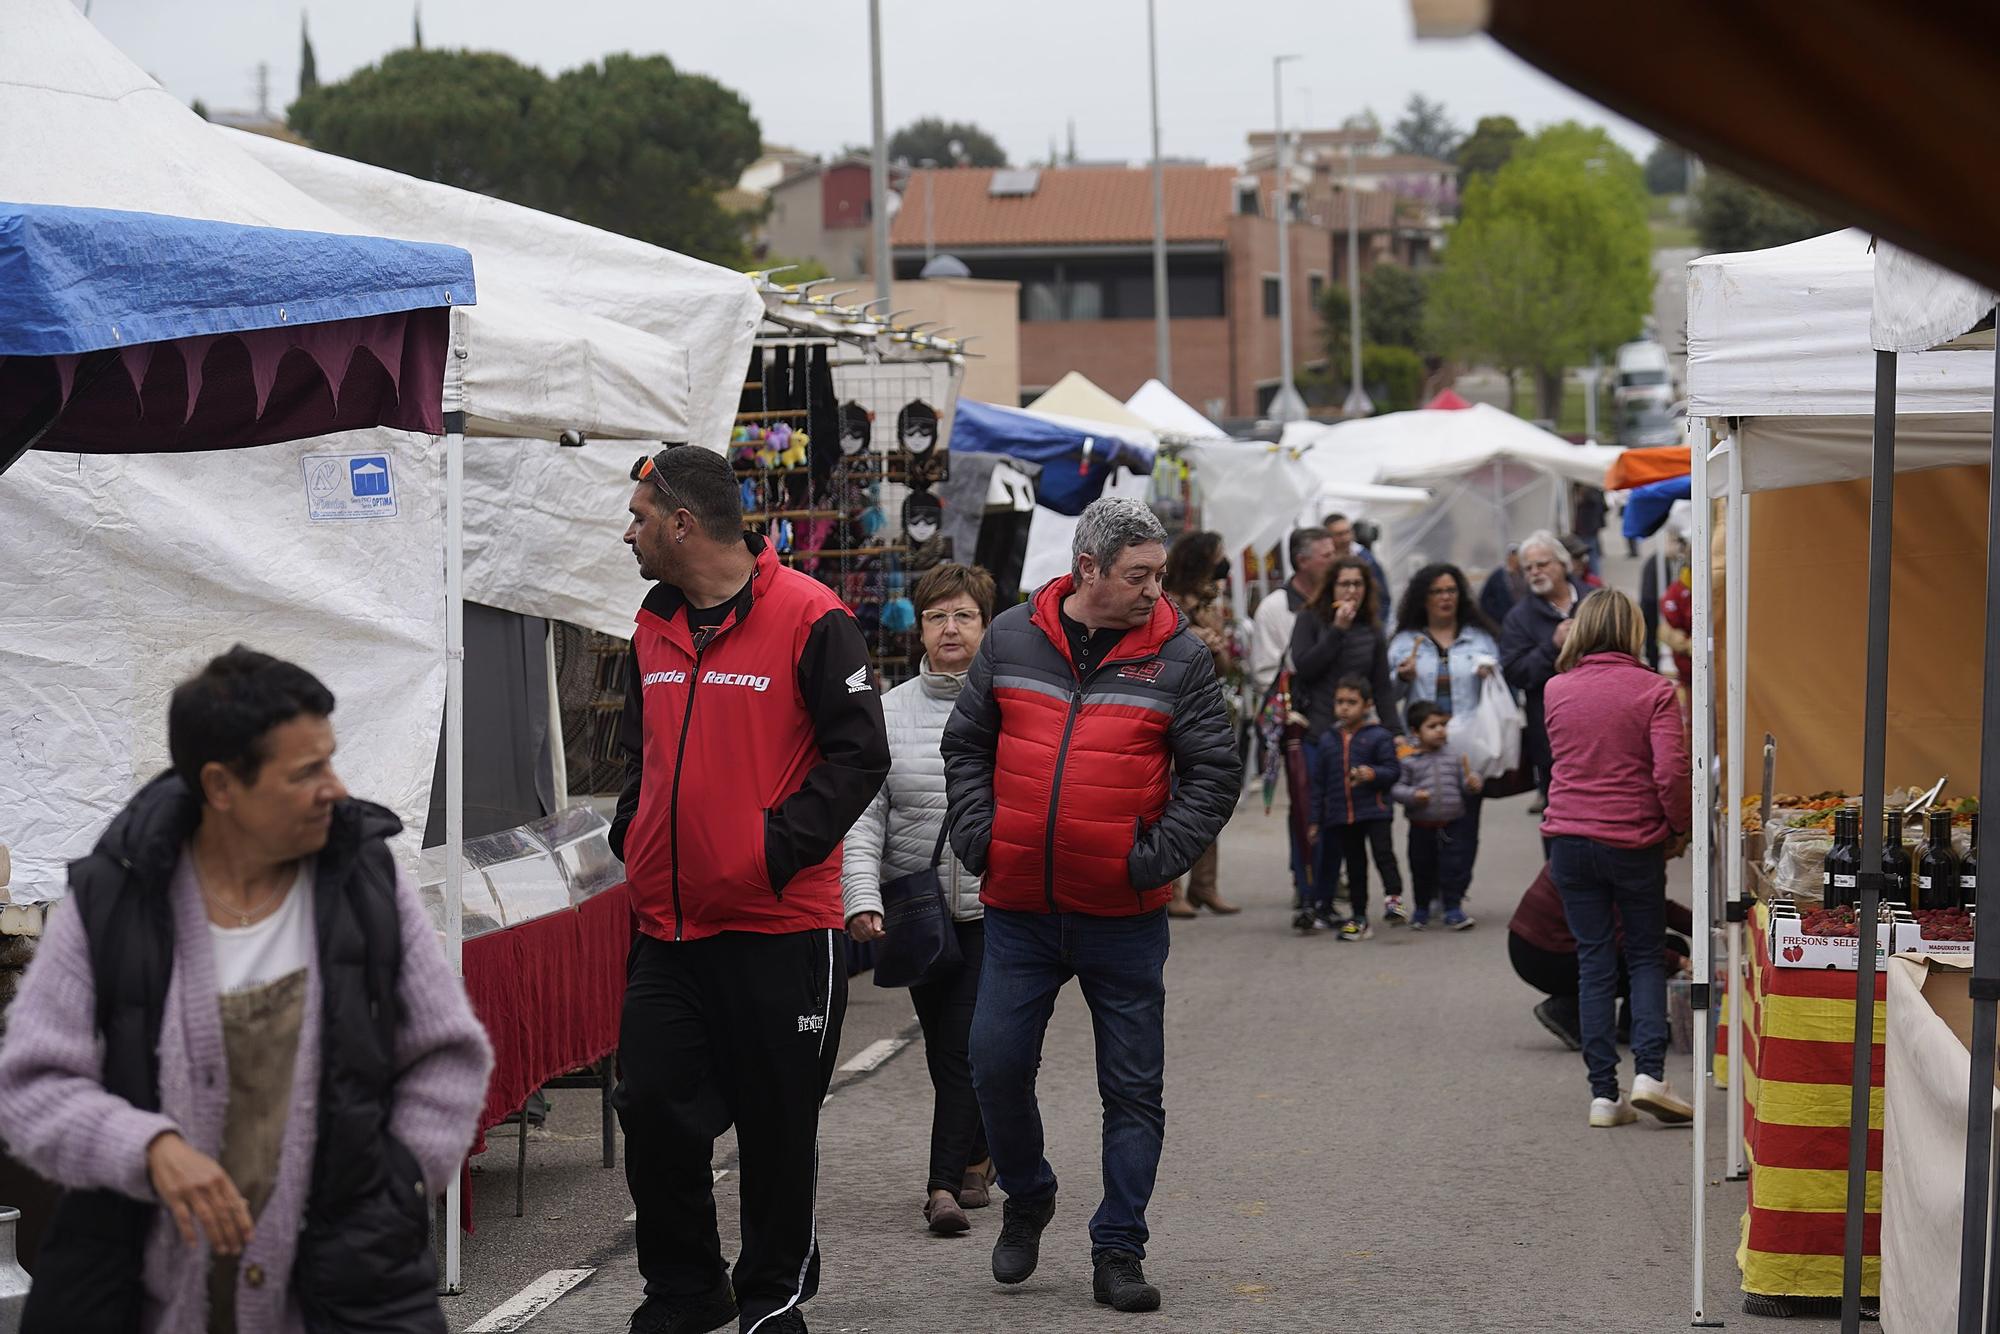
{"x":648,"y":470}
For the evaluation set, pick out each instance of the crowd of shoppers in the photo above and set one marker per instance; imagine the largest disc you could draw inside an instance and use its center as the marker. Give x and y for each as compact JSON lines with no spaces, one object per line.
{"x":1061,"y":768}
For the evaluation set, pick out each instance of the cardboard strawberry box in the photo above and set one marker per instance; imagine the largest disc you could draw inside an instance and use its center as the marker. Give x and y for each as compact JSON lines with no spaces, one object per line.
{"x":1945,"y":935}
{"x":1792,"y":946}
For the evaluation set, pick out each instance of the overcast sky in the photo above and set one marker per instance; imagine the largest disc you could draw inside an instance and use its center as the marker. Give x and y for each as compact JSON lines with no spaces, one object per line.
{"x":1021,"y":68}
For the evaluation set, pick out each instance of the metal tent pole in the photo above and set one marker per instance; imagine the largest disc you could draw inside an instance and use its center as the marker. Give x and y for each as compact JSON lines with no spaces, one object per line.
{"x":454,"y":731}
{"x":1973,"y":1240}
{"x":1701,"y":653}
{"x":1736,"y":569}
{"x":1162,"y":343}
{"x":1874,"y":739}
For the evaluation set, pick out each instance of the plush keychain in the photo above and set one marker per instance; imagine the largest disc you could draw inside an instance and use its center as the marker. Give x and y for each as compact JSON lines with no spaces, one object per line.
{"x":794,"y":454}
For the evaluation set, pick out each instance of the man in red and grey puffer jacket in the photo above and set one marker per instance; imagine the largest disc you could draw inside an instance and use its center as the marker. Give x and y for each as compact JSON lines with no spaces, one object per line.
{"x":1088,"y":763}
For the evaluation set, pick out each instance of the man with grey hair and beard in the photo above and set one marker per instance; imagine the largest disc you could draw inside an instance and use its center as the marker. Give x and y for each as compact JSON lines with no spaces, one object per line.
{"x":1088,"y":763}
{"x":1532,"y":637}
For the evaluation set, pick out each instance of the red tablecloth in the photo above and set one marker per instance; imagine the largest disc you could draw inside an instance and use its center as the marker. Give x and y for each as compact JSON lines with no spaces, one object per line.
{"x":549,"y":993}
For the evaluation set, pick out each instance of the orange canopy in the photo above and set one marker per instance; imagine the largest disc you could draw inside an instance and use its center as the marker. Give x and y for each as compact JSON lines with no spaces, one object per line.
{"x":1638,"y":467}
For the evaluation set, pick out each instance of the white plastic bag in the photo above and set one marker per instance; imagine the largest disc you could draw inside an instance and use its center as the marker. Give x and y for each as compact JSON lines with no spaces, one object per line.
{"x":1490,"y":736}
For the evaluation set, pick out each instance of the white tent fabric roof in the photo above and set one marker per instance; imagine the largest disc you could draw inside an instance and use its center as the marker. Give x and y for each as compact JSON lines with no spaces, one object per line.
{"x":1170,"y":414}
{"x":87,"y":127}
{"x":1780,"y":340}
{"x":1428,"y":445}
{"x":1077,"y":398}
{"x":1919,"y":305}
{"x":709,"y":311}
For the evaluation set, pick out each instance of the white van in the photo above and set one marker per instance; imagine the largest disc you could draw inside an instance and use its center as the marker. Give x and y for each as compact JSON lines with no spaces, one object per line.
{"x":1643,"y":392}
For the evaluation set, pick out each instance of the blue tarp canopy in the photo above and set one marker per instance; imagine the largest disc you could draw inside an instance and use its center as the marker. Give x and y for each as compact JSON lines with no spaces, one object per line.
{"x":1076,"y":458}
{"x":126,"y":332}
{"x":77,"y":280}
{"x":1647,"y":507}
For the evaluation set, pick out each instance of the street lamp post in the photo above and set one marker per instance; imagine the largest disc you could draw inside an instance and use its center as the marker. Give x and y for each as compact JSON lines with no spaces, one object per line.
{"x":1285,"y":405}
{"x":1358,"y":403}
{"x":930,"y":243}
{"x":1162,"y":345}
{"x":879,"y":164}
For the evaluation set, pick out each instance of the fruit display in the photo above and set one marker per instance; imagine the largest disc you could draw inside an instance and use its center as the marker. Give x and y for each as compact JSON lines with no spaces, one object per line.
{"x":1944,"y":923}
{"x":1841,"y":922}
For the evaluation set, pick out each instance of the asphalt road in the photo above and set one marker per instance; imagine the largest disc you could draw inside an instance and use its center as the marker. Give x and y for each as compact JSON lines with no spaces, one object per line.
{"x":1368,"y":1136}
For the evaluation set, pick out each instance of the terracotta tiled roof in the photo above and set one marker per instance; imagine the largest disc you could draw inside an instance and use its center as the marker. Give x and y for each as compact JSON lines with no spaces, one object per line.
{"x":1069,"y":206}
{"x":1395,"y":164}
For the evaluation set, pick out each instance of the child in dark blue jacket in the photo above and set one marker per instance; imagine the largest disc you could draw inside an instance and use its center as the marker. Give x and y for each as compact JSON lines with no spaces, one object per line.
{"x":1353,"y":767}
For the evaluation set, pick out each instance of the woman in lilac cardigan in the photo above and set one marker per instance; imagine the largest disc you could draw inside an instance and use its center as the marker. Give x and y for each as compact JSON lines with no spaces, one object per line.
{"x":253,"y":1101}
{"x":1618,"y":812}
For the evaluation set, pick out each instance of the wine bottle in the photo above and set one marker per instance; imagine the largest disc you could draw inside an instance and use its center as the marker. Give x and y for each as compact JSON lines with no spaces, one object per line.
{"x":1968,"y":871}
{"x":1937,"y":868}
{"x":1842,"y":861}
{"x":1897,"y":872}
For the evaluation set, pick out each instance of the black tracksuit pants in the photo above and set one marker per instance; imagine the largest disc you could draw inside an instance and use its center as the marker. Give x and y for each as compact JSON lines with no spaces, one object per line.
{"x":736,"y":1029}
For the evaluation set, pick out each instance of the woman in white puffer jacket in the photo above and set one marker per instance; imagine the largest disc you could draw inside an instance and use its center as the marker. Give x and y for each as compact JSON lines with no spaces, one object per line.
{"x":897,"y":836}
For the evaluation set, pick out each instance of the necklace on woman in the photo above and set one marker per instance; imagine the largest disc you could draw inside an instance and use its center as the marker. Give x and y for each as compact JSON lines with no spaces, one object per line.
{"x":246,"y":914}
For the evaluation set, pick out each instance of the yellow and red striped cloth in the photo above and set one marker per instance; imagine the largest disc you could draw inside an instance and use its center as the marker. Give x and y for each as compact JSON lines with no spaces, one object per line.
{"x":1798,"y":1071}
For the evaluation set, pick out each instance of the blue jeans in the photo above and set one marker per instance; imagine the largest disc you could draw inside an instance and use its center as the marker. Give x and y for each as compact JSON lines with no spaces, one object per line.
{"x":1603,"y":889}
{"x":1441,"y":860}
{"x":1120,"y":963}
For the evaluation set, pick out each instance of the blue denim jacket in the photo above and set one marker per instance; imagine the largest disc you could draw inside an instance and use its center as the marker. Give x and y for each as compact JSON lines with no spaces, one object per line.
{"x":1472,"y":644}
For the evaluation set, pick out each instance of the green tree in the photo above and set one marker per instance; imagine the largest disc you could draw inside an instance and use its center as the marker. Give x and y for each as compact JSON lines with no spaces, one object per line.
{"x":632,"y":145}
{"x":308,"y":63}
{"x":1425,"y":130}
{"x":1488,"y":148}
{"x":1731,"y":214}
{"x":1667,"y":169}
{"x":470,"y":119}
{"x":1550,"y":259}
{"x":932,"y":138}
{"x":1392,"y":315}
{"x":642,"y":148}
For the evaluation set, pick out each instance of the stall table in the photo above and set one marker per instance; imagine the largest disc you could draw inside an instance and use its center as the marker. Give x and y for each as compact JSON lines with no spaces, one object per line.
{"x":1798,"y":1070}
{"x":549,"y":993}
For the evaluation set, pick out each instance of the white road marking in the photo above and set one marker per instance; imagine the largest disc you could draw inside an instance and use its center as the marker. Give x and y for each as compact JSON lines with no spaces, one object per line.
{"x":529,"y":1302}
{"x":872,"y":1055}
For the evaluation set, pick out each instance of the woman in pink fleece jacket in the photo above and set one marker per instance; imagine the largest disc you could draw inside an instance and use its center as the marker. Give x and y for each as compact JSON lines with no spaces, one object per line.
{"x":1618,"y":812}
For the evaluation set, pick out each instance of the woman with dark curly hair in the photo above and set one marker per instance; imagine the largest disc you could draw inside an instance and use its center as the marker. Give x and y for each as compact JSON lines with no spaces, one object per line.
{"x":1339,"y":635}
{"x":1193,"y":578}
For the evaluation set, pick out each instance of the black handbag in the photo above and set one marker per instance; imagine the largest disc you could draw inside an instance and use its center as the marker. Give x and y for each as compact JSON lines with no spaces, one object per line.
{"x":921,"y":944}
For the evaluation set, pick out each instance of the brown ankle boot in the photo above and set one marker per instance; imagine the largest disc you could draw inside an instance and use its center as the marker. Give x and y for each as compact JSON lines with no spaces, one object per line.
{"x":1178,"y":906}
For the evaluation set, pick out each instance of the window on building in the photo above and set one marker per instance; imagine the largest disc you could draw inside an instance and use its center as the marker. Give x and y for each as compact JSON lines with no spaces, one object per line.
{"x":1041,"y":299}
{"x":1272,"y":304}
{"x":1315,"y":284}
{"x":1194,"y":296}
{"x":1246,"y":200}
{"x":1086,"y":300}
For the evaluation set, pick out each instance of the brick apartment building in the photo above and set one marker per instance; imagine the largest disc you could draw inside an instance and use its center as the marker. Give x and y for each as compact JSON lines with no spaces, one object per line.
{"x":1079,"y":240}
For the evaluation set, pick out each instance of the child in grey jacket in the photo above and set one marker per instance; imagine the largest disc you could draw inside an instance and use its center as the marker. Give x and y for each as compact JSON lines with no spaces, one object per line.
{"x":1441,"y":793}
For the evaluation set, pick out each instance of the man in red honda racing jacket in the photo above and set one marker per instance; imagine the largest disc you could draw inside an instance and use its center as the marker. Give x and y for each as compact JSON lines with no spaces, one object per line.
{"x":1089,"y":761}
{"x":755,"y":737}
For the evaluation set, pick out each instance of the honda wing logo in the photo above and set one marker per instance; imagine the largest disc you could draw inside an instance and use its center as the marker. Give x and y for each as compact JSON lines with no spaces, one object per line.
{"x":857,"y":684}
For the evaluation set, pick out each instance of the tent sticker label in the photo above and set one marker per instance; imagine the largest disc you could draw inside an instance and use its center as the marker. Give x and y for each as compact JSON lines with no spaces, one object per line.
{"x":348,"y":486}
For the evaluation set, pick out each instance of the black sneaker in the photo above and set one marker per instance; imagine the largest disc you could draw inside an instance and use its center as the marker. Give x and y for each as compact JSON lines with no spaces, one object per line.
{"x":1020,"y":1246}
{"x":787,"y":1322}
{"x":1304,"y":922}
{"x":1559,"y":1017}
{"x":688,"y":1315}
{"x":1118,"y":1282}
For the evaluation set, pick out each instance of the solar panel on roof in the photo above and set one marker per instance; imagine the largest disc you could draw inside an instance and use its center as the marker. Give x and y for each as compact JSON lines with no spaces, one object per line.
{"x":1012,"y":182}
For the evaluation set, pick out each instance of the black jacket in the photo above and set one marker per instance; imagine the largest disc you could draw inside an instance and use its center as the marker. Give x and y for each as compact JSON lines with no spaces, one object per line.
{"x":1323,"y":653}
{"x":364,"y":1258}
{"x":1528,"y":658}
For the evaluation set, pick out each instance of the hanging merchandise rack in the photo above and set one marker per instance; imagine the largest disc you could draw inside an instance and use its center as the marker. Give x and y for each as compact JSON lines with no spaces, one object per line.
{"x":842,"y":435}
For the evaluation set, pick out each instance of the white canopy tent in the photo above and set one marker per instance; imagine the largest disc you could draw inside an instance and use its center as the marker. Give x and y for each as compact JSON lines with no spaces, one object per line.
{"x":1171,"y":415}
{"x":119,"y":575}
{"x":1493,"y":478}
{"x":1783,"y":379}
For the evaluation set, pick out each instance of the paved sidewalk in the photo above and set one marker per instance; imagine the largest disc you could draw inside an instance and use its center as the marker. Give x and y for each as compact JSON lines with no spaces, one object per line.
{"x":1370,"y":1136}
